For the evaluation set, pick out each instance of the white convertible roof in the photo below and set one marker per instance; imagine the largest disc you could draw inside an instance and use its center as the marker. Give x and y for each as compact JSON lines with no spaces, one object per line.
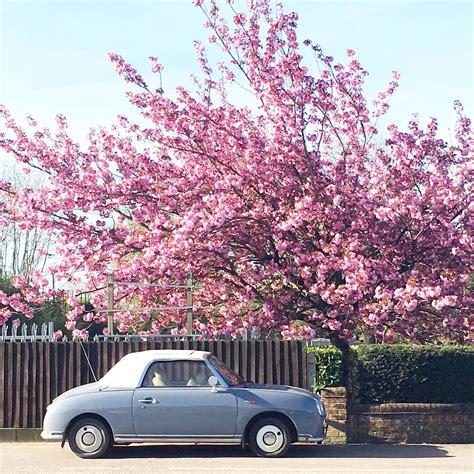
{"x":166,"y":354}
{"x":127,"y":372}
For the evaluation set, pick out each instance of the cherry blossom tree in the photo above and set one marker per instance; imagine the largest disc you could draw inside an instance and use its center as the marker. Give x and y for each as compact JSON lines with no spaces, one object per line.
{"x":293,"y":213}
{"x":21,"y":250}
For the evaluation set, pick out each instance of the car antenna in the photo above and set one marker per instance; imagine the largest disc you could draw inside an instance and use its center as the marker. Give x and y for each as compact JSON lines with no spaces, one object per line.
{"x":87,"y":357}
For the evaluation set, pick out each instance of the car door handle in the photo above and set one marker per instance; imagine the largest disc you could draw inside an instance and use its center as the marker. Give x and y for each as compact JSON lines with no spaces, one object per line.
{"x":148,"y":401}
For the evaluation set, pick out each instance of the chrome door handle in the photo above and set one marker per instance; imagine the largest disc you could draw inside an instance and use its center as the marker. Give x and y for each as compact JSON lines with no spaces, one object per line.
{"x":148,"y":401}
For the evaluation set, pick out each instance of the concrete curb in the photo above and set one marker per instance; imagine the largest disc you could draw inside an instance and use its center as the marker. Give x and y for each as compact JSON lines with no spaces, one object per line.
{"x":20,"y":435}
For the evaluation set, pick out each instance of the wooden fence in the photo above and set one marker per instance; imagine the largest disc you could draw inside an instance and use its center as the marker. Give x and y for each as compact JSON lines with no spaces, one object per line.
{"x":32,"y":374}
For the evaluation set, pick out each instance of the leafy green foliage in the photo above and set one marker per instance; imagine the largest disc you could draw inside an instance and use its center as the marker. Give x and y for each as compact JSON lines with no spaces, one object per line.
{"x":403,"y":373}
{"x":423,"y":374}
{"x":6,"y":285}
{"x":328,"y":362}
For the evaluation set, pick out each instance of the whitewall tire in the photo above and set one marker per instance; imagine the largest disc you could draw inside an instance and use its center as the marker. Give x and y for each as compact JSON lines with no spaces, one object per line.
{"x":89,"y":438}
{"x":269,"y":437}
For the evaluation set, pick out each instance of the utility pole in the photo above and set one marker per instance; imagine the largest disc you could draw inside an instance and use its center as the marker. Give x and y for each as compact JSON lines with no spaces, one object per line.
{"x":189,"y":304}
{"x":110,"y":304}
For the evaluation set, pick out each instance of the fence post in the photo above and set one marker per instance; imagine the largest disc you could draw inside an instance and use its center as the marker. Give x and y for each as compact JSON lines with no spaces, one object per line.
{"x":110,"y":304}
{"x":310,"y":369}
{"x":189,"y":304}
{"x":51,"y":331}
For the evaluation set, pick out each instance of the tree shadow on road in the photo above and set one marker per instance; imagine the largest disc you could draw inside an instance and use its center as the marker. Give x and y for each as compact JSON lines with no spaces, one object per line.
{"x":379,"y":451}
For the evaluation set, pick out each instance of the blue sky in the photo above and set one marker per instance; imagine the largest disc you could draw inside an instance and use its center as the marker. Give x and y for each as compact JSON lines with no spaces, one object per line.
{"x":54,"y":54}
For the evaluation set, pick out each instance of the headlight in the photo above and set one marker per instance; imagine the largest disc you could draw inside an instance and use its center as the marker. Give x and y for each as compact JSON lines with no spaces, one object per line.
{"x":320,"y":407}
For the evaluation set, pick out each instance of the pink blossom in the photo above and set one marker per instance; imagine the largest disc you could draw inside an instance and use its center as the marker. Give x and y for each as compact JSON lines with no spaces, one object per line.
{"x":294,"y":218}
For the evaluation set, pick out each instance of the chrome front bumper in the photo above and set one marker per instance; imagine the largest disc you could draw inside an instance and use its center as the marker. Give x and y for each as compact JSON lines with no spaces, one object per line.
{"x":309,"y":439}
{"x":52,"y":436}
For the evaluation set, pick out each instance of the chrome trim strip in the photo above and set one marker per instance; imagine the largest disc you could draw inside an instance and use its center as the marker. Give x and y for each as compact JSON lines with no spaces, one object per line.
{"x":181,"y":436}
{"x":176,"y":439}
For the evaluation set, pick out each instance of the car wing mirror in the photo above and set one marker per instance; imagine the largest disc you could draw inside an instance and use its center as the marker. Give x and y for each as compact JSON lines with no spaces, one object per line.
{"x":212,"y":381}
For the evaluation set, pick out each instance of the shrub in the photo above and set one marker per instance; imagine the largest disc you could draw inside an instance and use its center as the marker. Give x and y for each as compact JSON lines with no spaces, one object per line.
{"x":409,"y":374}
{"x":328,"y":367}
{"x":403,"y":373}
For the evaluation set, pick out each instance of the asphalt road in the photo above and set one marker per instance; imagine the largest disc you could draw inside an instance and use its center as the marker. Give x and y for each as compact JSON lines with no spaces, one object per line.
{"x":50,"y":458}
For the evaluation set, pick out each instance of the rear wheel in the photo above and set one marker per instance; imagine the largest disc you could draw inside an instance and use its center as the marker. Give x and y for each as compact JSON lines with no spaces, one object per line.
{"x":269,"y":437}
{"x":89,"y":438}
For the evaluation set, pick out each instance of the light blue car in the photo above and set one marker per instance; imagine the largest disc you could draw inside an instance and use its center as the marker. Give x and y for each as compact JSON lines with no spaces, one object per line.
{"x":171,"y":396}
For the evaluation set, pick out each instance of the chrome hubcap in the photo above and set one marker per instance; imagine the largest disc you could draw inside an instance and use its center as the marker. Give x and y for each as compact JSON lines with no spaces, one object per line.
{"x":270,"y":438}
{"x":89,"y":438}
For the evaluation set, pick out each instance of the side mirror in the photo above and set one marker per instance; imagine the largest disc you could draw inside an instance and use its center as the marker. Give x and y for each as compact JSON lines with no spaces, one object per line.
{"x":212,"y":381}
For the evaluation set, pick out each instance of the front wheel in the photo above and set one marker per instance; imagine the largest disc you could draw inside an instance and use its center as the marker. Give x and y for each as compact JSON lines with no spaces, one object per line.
{"x":89,"y":438}
{"x":269,"y":437}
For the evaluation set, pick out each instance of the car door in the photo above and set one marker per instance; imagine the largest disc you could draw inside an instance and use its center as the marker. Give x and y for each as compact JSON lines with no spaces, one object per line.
{"x":175,"y":399}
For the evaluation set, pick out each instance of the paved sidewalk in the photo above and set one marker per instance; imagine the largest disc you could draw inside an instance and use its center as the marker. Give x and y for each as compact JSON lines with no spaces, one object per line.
{"x":414,"y":459}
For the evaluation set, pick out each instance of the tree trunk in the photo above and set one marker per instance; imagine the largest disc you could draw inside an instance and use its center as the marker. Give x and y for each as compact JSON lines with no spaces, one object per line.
{"x":347,"y":362}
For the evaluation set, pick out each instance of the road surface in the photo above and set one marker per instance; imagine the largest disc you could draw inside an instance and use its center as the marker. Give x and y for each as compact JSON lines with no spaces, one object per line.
{"x":412,"y":459}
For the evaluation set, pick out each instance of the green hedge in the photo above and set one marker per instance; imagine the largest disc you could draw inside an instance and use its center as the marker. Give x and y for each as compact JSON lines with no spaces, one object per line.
{"x":402,"y":373}
{"x":328,"y":367}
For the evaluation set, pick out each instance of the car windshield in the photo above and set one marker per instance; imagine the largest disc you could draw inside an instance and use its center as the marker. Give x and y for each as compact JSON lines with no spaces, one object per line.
{"x":227,"y":374}
{"x":113,"y":373}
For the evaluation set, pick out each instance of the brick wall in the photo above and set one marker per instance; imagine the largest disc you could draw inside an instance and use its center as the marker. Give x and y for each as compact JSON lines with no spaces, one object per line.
{"x":411,"y":423}
{"x":396,"y":422}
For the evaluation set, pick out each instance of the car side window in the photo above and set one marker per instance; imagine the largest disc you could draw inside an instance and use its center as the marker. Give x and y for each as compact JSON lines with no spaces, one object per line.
{"x":177,"y":373}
